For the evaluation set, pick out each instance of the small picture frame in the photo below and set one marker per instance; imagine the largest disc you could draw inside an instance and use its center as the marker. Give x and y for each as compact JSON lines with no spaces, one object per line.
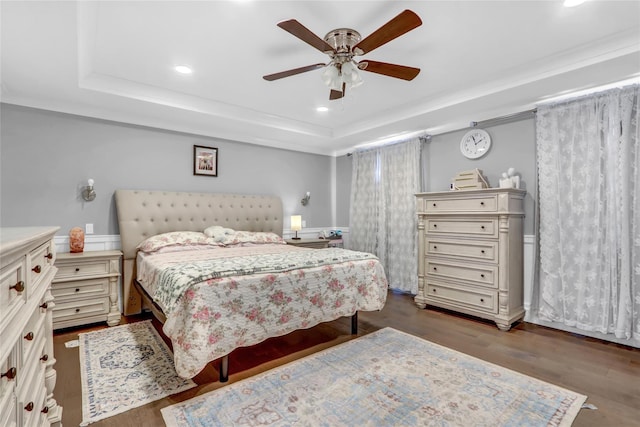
{"x":205,"y":160}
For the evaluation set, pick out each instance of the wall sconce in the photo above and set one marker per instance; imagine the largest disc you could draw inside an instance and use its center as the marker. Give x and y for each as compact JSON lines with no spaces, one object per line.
{"x":305,"y":199}
{"x":296,"y":225}
{"x":87,"y":192}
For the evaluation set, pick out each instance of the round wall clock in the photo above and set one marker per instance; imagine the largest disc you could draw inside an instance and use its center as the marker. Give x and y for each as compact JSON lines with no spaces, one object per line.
{"x":475,"y":143}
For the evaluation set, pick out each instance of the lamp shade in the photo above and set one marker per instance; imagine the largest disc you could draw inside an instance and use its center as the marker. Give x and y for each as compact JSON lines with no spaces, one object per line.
{"x":296,"y":222}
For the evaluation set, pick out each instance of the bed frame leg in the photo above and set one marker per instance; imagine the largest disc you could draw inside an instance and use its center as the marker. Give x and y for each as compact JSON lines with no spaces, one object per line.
{"x":224,"y":369}
{"x":354,"y":324}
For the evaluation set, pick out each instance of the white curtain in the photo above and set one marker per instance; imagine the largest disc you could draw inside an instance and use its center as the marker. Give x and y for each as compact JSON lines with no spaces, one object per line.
{"x":383,"y":209}
{"x":589,"y":206}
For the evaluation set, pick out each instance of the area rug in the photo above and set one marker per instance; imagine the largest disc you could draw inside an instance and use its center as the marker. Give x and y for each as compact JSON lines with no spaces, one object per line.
{"x":124,"y":367}
{"x":386,"y":378}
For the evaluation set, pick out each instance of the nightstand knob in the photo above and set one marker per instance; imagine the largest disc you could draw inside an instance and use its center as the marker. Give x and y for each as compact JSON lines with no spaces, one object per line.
{"x":77,"y":289}
{"x":77,"y":310}
{"x":77,"y":269}
{"x":44,"y":357}
{"x":49,"y":255}
{"x":435,"y":247}
{"x":29,"y":336}
{"x":482,"y":275}
{"x":10,"y":374}
{"x":435,"y":225}
{"x":434,"y":205}
{"x":481,"y":299}
{"x":482,"y":251}
{"x":481,"y":203}
{"x":482,"y":226}
{"x":435,"y":269}
{"x":29,"y":407}
{"x":37,"y":269}
{"x":19,"y":287}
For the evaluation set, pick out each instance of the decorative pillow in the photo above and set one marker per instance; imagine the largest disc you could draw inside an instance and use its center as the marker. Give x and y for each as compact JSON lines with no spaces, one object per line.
{"x":218,"y":233}
{"x":252,"y":237}
{"x":175,"y":238}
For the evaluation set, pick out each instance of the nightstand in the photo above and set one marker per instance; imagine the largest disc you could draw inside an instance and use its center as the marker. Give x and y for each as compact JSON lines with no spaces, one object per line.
{"x":309,"y":243}
{"x":86,"y":288}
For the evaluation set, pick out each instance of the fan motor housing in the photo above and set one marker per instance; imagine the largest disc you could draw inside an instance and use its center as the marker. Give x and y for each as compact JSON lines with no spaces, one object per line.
{"x":343,"y":40}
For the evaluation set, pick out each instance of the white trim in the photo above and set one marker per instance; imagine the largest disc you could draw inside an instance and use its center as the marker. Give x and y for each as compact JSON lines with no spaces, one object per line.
{"x":529,"y":265}
{"x":92,"y":242}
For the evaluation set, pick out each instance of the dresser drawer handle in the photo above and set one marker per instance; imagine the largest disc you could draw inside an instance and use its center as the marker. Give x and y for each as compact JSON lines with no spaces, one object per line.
{"x":45,"y":410}
{"x":77,"y":289}
{"x":77,"y":269}
{"x":44,"y":306}
{"x":481,"y":203}
{"x":435,"y":269}
{"x":29,"y":336}
{"x":434,"y":205}
{"x":435,"y":225}
{"x":434,"y":290}
{"x":10,"y":374}
{"x":19,"y":287}
{"x":49,"y":256}
{"x":482,"y":226}
{"x":77,"y":310}
{"x":482,"y":275}
{"x":44,"y":357}
{"x":482,"y":251}
{"x":37,"y":269}
{"x":435,"y":247}
{"x":481,"y":299}
{"x":29,"y":406}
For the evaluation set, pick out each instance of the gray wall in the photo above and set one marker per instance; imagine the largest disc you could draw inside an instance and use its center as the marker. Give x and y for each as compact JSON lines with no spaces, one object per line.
{"x":513,"y":145}
{"x":47,"y":157}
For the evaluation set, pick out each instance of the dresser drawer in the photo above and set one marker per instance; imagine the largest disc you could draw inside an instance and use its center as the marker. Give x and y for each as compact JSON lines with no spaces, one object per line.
{"x":72,"y":291}
{"x":9,"y":369}
{"x":31,"y":398}
{"x":32,"y":338}
{"x":8,"y":410}
{"x":464,"y":297}
{"x":75,"y":268}
{"x":463,"y":203}
{"x":12,"y":287}
{"x":40,"y":261}
{"x":478,"y":250}
{"x":480,"y":275}
{"x":81,"y":308}
{"x":476,"y":227}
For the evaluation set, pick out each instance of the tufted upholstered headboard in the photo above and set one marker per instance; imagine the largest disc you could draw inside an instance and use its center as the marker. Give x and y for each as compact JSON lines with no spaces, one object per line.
{"x":142,"y":214}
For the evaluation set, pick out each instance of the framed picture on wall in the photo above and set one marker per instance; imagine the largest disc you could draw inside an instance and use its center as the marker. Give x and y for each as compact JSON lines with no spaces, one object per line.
{"x":205,"y":160}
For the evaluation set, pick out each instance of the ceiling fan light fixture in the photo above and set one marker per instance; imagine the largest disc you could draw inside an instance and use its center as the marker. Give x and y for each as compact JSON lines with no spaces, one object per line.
{"x":350,"y":74}
{"x":331,"y":77}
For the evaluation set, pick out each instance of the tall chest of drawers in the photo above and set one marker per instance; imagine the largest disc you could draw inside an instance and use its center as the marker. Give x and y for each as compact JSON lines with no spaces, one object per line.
{"x":27,"y":256}
{"x":470,"y":249}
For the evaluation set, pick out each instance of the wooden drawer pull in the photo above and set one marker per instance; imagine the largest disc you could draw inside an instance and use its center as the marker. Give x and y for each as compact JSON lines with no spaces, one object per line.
{"x":10,"y":374}
{"x":482,"y":226}
{"x":45,"y":410}
{"x":77,"y":289}
{"x":481,"y":299}
{"x":19,"y":287}
{"x":434,"y":205}
{"x":482,"y":251}
{"x":37,"y":269}
{"x":77,"y":269}
{"x":29,"y":406}
{"x":435,"y":269}
{"x":435,"y":247}
{"x":49,"y":255}
{"x":44,"y":357}
{"x":77,"y":310}
{"x":29,"y":336}
{"x":44,"y":306}
{"x":482,"y":275}
{"x":481,"y":203}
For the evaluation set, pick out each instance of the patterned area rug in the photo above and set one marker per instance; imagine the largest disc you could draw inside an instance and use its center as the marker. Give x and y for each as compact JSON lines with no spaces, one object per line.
{"x":385,"y":378}
{"x":124,"y":367}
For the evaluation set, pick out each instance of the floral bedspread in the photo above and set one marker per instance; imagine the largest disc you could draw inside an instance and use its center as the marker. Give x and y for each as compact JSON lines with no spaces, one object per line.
{"x":283,"y":289}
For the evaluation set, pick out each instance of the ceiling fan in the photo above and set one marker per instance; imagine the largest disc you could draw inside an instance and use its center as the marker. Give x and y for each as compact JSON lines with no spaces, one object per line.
{"x":343,"y":44}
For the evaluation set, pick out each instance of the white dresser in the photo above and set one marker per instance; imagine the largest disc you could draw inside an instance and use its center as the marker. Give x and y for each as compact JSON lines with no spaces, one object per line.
{"x":470,"y":249}
{"x":28,"y":378}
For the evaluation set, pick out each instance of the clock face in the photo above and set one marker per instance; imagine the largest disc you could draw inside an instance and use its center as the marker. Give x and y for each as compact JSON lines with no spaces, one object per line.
{"x":475,"y":143}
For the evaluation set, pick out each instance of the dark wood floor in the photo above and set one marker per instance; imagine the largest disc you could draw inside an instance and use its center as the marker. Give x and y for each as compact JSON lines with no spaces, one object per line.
{"x":608,"y":373}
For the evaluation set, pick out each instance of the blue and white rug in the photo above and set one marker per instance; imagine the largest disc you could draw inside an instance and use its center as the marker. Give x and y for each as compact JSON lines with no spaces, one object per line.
{"x":387,"y":378}
{"x":124,"y":367}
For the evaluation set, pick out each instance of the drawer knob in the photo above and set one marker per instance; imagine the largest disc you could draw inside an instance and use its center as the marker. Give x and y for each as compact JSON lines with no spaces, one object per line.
{"x":19,"y":287}
{"x":77,"y":269}
{"x":37,"y":269}
{"x":435,"y":225}
{"x":29,"y":406}
{"x":434,"y":205}
{"x":481,"y":299}
{"x":29,"y":336}
{"x":10,"y":374}
{"x":49,"y":255}
{"x":77,"y":310}
{"x":482,"y":275}
{"x":435,"y":269}
{"x":45,"y":410}
{"x":44,"y":306}
{"x":481,"y":203}
{"x":482,"y":251}
{"x":77,"y":289}
{"x":44,"y":357}
{"x":434,"y":291}
{"x":482,"y":226}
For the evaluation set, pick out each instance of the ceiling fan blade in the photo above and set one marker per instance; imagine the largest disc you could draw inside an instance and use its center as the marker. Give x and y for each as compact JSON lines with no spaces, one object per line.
{"x":293,"y":72}
{"x":336,"y":94}
{"x":392,"y":70}
{"x":303,"y":33}
{"x":401,"y":24}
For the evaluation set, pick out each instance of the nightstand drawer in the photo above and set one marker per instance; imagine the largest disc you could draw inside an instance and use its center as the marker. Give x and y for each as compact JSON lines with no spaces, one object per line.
{"x":481,"y":251}
{"x":480,"y":275}
{"x":78,"y":309}
{"x":78,"y":289}
{"x":81,"y":269}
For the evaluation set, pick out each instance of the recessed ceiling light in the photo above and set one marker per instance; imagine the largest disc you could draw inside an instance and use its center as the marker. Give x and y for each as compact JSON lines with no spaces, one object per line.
{"x":183,"y":69}
{"x":572,"y":3}
{"x":322,"y":109}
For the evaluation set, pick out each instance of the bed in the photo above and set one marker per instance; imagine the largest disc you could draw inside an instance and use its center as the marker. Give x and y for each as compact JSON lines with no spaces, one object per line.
{"x":239,"y":283}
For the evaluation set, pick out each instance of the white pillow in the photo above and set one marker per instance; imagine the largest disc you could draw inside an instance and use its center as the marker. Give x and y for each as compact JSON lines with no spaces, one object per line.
{"x":175,"y":238}
{"x":218,"y":233}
